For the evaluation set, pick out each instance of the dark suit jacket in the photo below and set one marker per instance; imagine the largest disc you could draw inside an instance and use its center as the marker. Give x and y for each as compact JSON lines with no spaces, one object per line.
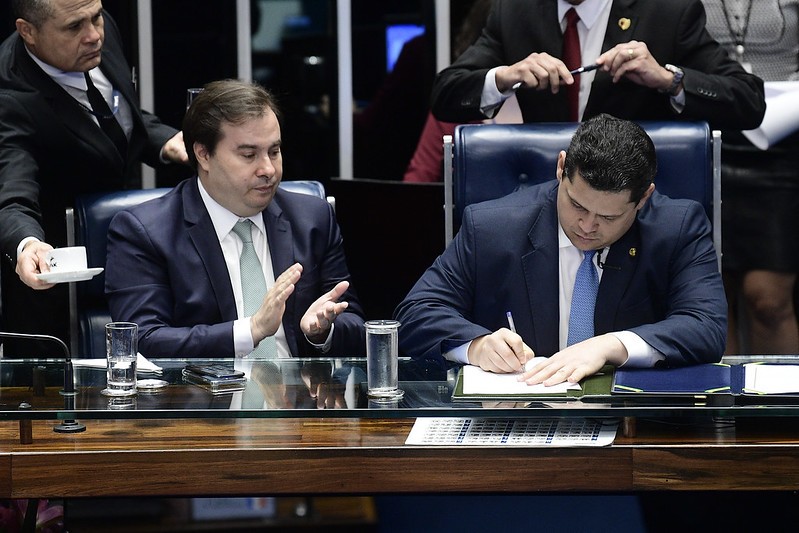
{"x":166,"y":272}
{"x":51,"y":151}
{"x":505,"y":258}
{"x":717,"y":89}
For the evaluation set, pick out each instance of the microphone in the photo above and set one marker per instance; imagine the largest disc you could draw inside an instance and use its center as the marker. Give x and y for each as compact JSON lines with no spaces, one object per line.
{"x":67,"y":426}
{"x":602,"y":265}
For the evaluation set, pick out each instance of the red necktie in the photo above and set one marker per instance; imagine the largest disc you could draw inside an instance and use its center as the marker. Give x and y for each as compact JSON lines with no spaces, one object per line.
{"x":572,"y":59}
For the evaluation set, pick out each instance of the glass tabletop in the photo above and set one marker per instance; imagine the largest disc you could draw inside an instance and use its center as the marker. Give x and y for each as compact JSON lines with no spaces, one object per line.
{"x":323,"y":387}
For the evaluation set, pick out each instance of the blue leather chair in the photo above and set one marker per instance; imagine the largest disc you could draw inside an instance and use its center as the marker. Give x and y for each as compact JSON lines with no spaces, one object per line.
{"x":87,"y":225}
{"x":485,"y":161}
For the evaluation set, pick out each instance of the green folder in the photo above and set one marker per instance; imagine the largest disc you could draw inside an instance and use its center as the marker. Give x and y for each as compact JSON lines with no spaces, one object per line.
{"x":593,"y":387}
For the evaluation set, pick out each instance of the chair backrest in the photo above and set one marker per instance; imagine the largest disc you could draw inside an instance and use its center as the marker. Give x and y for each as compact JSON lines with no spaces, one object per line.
{"x":87,"y":225}
{"x":486,"y":161}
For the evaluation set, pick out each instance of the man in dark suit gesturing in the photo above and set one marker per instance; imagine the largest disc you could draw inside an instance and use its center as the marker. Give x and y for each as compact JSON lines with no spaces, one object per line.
{"x":176,"y":265}
{"x":657,"y":62}
{"x":54,"y":142}
{"x":657,"y":292}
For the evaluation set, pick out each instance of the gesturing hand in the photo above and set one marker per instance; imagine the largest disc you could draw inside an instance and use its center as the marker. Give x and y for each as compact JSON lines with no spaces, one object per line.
{"x":321,"y":314}
{"x":266,"y":321}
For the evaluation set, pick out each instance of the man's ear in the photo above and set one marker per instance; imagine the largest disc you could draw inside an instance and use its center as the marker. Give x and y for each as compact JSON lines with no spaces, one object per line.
{"x":202,"y":155}
{"x":646,"y":196}
{"x":27,"y":31}
{"x":561,"y":163}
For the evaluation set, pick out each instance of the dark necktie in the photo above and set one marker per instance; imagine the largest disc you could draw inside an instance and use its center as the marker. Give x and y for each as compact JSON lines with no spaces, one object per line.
{"x":572,"y":59}
{"x":104,"y":115}
{"x":586,"y":286}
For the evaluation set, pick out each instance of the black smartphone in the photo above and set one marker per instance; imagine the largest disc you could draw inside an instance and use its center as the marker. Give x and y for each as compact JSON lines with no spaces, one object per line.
{"x":215,"y":371}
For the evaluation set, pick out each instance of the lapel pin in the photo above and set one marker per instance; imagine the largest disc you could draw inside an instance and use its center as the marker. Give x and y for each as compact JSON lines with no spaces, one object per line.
{"x":624,"y":23}
{"x":632,"y":252}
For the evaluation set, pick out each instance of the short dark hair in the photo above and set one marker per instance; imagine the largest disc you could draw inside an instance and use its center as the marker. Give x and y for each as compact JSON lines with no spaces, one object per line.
{"x":37,"y":12}
{"x":223,"y":101}
{"x":612,"y":155}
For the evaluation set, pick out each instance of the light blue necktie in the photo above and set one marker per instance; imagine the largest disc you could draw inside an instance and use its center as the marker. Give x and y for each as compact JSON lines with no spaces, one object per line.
{"x":253,"y":285}
{"x":586,"y":286}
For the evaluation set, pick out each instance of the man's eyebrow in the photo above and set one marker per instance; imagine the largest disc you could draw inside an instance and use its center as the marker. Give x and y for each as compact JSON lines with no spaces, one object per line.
{"x":245,"y":146}
{"x":575,"y":202}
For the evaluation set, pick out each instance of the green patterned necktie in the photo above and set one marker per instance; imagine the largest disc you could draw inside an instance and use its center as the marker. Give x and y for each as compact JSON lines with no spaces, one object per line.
{"x":253,"y":286}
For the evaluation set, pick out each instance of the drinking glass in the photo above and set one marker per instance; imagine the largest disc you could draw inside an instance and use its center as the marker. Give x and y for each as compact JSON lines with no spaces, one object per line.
{"x":121,"y":344}
{"x":191,"y":94}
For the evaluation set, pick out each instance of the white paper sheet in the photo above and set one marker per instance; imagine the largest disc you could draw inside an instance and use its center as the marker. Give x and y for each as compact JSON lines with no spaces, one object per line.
{"x":782,"y":114}
{"x":142,"y":364}
{"x":771,"y":379}
{"x":478,"y":381}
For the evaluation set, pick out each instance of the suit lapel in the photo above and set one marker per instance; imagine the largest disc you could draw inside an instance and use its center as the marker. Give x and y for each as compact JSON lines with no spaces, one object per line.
{"x":614,"y":34}
{"x":540,"y":267}
{"x":73,"y":116}
{"x":281,"y":247}
{"x":617,"y":274}
{"x":279,"y":234}
{"x":203,"y":236}
{"x":548,"y":35}
{"x":549,"y":31}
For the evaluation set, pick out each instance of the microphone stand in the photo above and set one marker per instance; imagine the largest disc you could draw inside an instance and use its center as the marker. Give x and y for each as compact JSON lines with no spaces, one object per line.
{"x":69,"y":425}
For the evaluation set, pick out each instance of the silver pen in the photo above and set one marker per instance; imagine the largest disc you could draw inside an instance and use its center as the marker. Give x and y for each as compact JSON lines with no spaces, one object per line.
{"x":512,"y":327}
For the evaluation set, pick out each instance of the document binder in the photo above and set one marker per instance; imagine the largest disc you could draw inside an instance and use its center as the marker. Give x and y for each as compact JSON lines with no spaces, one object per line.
{"x":745,"y":379}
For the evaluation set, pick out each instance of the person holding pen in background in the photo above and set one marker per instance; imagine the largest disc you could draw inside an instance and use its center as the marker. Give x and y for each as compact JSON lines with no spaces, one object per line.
{"x":656,"y":62}
{"x":595,"y":268}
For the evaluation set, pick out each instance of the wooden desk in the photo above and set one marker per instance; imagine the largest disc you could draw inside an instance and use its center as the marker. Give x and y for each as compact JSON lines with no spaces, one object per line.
{"x":368,"y":456}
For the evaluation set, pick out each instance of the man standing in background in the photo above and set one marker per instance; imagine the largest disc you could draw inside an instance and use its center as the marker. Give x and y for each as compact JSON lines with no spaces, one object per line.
{"x":70,"y":124}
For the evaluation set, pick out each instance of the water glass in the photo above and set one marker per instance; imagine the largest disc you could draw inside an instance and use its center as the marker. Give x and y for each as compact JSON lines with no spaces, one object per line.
{"x":121,"y":344}
{"x":191,"y":94}
{"x":382,"y":355}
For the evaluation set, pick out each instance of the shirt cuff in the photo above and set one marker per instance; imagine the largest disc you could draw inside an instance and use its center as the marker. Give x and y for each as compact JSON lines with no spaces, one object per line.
{"x":22,"y":244}
{"x":459,"y":354}
{"x":491,"y":98}
{"x":639,"y":353}
{"x":242,"y":337}
{"x":328,"y":341}
{"x":678,"y":101}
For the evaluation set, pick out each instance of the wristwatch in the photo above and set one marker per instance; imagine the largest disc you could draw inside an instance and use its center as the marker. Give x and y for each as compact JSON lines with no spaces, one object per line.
{"x":676,"y":81}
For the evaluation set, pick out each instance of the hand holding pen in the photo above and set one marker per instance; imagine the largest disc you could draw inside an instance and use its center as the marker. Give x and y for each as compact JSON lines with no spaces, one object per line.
{"x":575,"y":72}
{"x":502,"y":351}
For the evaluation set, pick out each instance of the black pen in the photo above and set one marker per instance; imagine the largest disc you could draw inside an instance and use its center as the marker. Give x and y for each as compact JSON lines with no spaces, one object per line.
{"x":586,"y":68}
